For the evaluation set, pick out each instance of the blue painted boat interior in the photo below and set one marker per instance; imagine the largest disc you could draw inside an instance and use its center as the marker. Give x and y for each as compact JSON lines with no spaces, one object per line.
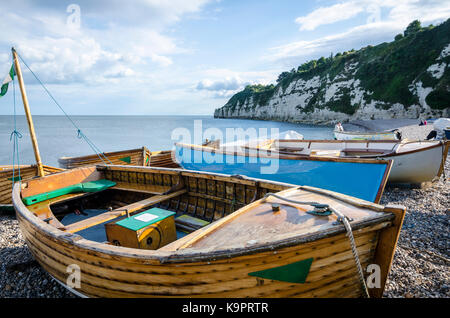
{"x":361,"y":180}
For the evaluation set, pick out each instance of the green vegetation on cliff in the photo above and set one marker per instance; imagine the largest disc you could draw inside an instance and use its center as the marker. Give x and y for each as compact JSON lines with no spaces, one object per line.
{"x":386,"y":73}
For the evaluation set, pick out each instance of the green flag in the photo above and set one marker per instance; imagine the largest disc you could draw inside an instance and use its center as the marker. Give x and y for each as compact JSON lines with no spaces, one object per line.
{"x":8,"y":78}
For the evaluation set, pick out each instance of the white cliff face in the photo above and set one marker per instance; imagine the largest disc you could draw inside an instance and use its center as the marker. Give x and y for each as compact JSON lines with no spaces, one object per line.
{"x":291,"y":104}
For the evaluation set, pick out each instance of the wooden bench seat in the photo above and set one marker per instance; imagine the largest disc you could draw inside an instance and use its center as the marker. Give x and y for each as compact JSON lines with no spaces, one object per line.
{"x":107,"y":216}
{"x":143,"y":188}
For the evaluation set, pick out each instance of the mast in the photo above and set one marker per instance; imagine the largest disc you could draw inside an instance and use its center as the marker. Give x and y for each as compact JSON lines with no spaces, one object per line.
{"x":28,"y":114}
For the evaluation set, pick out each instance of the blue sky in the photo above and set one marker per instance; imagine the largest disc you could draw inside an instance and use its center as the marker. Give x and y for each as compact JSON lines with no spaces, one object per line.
{"x":151,"y":57}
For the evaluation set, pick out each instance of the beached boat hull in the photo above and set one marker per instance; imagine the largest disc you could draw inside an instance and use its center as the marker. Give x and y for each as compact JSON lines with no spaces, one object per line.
{"x":361,"y":179}
{"x":8,"y":174}
{"x":418,"y":167}
{"x":133,"y":157}
{"x":348,"y":135}
{"x":414,"y":162}
{"x":114,"y":271}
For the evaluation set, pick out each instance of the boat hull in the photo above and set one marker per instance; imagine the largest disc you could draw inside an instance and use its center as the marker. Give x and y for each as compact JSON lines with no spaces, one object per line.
{"x":414,"y":162}
{"x":419,"y":166}
{"x":364,"y":180}
{"x":114,"y":271}
{"x":8,"y":174}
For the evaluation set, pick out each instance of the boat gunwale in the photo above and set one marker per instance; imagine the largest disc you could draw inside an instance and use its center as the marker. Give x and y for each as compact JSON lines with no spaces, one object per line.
{"x":182,"y":255}
{"x":86,"y":157}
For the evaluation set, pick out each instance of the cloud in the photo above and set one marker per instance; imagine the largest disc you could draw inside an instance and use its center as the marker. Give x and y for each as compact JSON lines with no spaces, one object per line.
{"x":401,"y":11}
{"x":223,"y":83}
{"x":113,"y":41}
{"x":227,"y":84}
{"x":377,"y":29}
{"x":327,"y":15}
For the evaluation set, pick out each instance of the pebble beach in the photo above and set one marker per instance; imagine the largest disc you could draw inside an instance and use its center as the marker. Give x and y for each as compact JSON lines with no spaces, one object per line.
{"x":420,"y":267}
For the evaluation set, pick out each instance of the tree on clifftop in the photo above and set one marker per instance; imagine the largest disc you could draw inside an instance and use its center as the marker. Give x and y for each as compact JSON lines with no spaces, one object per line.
{"x":412,"y":28}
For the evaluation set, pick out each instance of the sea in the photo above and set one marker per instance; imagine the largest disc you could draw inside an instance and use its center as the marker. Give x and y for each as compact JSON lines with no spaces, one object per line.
{"x":58,"y":135}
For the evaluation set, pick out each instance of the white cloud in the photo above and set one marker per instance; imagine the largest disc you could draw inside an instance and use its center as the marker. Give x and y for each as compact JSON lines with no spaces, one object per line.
{"x":114,"y":40}
{"x":401,"y":11}
{"x":377,"y":28}
{"x":223,"y":83}
{"x":327,"y":15}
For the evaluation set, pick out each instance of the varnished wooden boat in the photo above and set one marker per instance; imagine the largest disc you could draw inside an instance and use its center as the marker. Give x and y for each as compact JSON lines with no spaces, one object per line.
{"x":8,"y":175}
{"x":133,"y":157}
{"x":414,"y":162}
{"x":242,"y":242}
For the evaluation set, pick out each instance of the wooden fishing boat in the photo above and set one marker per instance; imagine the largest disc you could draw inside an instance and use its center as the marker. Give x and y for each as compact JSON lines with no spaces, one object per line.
{"x":361,"y":178}
{"x":133,"y":157}
{"x":415,"y":162}
{"x":354,"y":135}
{"x":8,"y":175}
{"x":214,"y":235}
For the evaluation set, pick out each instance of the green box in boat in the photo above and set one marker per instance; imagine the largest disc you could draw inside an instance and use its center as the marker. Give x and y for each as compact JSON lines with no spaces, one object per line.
{"x":146,"y":218}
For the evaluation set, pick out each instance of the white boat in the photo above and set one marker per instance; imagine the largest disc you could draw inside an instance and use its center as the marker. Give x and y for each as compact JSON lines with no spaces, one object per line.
{"x":353,"y":135}
{"x":415,"y":162}
{"x":341,"y":134}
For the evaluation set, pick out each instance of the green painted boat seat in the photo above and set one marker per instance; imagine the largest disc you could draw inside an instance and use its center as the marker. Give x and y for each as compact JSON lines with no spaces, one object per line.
{"x":91,"y":186}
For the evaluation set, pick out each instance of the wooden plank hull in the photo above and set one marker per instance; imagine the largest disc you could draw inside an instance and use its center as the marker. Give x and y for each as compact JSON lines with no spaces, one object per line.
{"x":27,"y":172}
{"x":113,"y":271}
{"x":134,"y":157}
{"x":362,"y":179}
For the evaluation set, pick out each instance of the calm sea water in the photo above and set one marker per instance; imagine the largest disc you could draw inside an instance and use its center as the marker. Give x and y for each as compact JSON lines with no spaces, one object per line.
{"x":57,"y":137}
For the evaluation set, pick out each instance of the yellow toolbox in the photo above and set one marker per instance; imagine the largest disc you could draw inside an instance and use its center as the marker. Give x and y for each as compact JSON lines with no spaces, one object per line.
{"x":150,"y":229}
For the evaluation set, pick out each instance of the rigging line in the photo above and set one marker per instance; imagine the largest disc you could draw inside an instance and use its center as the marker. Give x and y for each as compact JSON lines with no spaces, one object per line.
{"x":15,"y":134}
{"x":90,"y":143}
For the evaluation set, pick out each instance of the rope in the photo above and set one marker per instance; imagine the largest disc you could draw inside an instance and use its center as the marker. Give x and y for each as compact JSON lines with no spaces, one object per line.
{"x":342,"y":219}
{"x":81,"y":135}
{"x":15,"y":136}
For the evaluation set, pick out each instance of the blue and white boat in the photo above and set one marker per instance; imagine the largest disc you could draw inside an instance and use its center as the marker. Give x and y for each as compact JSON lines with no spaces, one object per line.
{"x":361,"y":178}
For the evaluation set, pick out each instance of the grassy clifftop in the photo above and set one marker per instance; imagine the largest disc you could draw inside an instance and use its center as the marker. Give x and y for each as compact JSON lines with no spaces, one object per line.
{"x":384,"y":75}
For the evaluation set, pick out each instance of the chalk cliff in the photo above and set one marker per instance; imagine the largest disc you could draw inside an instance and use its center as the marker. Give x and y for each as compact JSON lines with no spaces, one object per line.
{"x":405,"y":78}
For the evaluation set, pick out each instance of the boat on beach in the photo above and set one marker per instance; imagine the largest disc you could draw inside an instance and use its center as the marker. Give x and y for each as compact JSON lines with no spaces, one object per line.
{"x":156,"y":232}
{"x":133,"y":157}
{"x":10,"y":174}
{"x":341,"y":134}
{"x":361,"y":178}
{"x":414,"y":162}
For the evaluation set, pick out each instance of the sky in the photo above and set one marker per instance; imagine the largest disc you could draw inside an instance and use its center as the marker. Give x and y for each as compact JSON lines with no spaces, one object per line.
{"x":181,"y":57}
